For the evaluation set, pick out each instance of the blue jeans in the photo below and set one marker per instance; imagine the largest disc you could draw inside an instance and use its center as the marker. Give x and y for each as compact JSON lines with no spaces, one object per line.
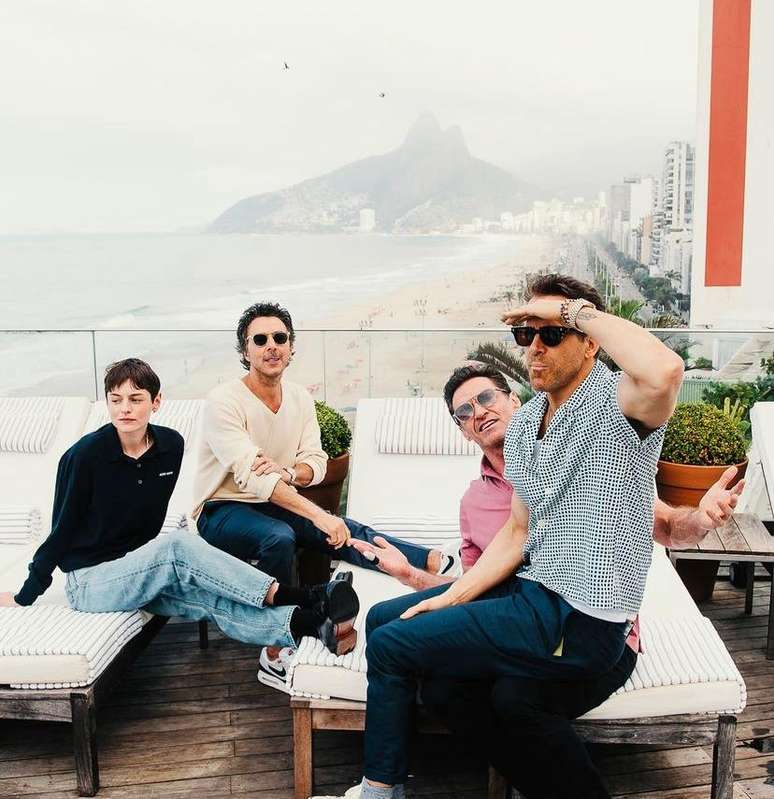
{"x":513,"y":630}
{"x":270,"y":534}
{"x":522,"y":726}
{"x":179,"y":574}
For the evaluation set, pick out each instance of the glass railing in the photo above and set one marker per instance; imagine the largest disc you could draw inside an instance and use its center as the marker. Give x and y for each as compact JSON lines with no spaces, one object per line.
{"x":338,"y":366}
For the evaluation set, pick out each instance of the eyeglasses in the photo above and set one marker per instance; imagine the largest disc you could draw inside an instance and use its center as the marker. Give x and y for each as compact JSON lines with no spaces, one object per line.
{"x":280,"y":337}
{"x":485,"y":399}
{"x":550,"y":335}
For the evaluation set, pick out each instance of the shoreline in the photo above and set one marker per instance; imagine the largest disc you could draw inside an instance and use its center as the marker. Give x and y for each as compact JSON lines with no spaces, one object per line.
{"x":356,"y":361}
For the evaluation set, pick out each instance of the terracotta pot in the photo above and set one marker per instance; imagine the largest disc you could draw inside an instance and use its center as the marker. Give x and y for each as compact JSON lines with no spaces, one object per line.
{"x":681,"y":484}
{"x":327,"y":494}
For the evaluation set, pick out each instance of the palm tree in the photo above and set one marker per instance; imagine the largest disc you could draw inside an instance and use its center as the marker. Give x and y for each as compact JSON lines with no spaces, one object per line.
{"x":627,"y":309}
{"x":503,"y":358}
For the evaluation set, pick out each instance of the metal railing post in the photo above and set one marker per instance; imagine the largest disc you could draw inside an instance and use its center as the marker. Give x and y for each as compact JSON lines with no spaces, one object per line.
{"x":325,"y":370}
{"x":370,"y":371}
{"x":94,"y":363}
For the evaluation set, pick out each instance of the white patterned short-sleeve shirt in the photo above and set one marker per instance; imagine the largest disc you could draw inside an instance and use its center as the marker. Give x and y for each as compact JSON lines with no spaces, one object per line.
{"x":589,"y":492}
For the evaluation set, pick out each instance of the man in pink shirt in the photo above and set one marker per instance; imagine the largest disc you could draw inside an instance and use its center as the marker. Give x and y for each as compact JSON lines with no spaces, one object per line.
{"x":529,"y":717}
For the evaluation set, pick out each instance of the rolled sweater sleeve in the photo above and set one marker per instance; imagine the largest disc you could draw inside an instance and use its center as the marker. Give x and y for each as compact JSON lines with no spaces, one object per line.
{"x":310,"y":449}
{"x":73,"y":487}
{"x":225,"y":432}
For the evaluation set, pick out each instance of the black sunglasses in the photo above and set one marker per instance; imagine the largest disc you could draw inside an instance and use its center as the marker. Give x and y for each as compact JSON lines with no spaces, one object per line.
{"x":485,"y":399}
{"x":280,"y":337}
{"x":550,"y":335}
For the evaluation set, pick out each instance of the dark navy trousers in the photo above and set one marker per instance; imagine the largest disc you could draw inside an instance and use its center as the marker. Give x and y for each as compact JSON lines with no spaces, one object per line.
{"x":271,"y":535}
{"x":517,"y":629}
{"x":523,"y":727}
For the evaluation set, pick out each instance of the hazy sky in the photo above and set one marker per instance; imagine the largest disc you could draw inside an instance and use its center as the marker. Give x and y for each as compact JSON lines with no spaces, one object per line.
{"x":128,"y":116}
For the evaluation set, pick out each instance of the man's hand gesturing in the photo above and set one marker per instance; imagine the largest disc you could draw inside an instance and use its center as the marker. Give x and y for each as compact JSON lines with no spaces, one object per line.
{"x":389,"y":559}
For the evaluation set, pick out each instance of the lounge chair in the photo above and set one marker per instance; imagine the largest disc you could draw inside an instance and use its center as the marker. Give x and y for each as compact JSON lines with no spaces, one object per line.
{"x":394,"y":484}
{"x":684,"y":690}
{"x":59,"y":664}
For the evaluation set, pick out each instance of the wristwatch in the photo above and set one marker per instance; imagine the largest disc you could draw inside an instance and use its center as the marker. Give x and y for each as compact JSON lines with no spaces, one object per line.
{"x":292,"y":472}
{"x":570,"y":310}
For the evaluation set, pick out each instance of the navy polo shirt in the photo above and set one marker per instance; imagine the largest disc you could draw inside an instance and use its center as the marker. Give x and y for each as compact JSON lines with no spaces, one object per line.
{"x":105,"y":504}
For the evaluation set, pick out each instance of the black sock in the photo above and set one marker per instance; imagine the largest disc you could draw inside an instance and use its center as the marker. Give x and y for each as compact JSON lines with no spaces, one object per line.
{"x":304,"y":622}
{"x":290,"y":595}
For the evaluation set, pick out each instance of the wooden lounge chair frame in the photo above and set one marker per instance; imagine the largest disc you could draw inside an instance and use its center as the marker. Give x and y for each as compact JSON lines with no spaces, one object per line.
{"x":681,"y":730}
{"x":79,"y":706}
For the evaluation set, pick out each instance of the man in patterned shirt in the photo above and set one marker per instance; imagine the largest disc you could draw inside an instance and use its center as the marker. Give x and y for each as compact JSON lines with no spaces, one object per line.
{"x":581,"y":456}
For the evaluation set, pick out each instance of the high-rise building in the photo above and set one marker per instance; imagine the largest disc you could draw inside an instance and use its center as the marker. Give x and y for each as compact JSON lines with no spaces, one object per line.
{"x":367,"y":220}
{"x":675,"y":231}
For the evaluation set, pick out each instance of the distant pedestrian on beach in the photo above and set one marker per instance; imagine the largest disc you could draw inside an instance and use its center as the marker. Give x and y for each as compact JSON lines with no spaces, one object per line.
{"x":260,"y":441}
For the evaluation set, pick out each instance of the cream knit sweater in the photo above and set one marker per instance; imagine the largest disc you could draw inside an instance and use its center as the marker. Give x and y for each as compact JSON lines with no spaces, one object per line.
{"x":237,"y":426}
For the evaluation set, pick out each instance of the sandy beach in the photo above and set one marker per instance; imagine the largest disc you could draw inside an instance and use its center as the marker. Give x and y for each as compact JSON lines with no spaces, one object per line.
{"x":363,"y":351}
{"x":366,"y":350}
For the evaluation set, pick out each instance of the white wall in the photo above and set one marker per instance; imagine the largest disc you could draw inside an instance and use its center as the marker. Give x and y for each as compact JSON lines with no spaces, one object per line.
{"x":751,"y":304}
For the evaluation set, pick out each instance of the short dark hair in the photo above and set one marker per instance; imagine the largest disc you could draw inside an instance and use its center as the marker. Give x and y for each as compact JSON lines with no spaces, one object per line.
{"x":137,"y":372}
{"x":564,"y":286}
{"x":253,"y":312}
{"x":464,"y":373}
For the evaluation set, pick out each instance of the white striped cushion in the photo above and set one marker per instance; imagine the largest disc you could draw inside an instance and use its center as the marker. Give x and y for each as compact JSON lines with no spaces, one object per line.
{"x":425,"y":530}
{"x":28,"y":424}
{"x":685,"y":667}
{"x":173,"y":522}
{"x":19,"y":524}
{"x":420,"y":426}
{"x":49,"y":646}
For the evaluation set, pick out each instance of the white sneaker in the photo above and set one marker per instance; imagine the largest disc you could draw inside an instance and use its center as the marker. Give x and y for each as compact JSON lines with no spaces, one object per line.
{"x":274,"y":671}
{"x":352,"y":793}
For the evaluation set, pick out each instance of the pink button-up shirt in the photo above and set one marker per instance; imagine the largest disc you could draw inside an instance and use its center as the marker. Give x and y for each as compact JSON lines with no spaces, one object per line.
{"x":484,"y":509}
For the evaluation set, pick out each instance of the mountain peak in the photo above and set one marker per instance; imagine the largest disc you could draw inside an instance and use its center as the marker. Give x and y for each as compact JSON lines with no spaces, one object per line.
{"x":423,"y":132}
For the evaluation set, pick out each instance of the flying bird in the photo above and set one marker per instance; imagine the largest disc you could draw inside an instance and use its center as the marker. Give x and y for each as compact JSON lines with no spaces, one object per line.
{"x":382,"y":94}
{"x":286,"y":64}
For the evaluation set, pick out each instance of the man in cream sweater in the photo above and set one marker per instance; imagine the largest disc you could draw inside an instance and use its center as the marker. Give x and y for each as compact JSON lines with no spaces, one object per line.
{"x":260,"y":440}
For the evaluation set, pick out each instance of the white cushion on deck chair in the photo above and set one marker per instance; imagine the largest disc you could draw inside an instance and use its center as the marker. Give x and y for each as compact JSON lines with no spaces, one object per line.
{"x":49,"y":646}
{"x":420,"y":426}
{"x":27,"y":478}
{"x":28,"y":424}
{"x":429,"y":531}
{"x":685,"y":667}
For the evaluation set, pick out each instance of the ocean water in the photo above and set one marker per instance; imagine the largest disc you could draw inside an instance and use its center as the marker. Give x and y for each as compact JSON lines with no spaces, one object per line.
{"x":123,"y":285}
{"x":204,"y":281}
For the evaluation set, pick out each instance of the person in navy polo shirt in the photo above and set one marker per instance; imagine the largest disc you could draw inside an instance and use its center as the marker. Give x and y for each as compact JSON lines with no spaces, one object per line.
{"x":112,"y":491}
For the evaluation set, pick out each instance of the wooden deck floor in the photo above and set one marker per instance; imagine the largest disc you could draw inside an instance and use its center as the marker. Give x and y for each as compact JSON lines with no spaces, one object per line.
{"x":189,"y":723}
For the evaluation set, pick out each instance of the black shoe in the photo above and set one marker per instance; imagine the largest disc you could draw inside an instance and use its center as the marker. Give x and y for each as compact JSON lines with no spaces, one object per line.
{"x":340,"y":638}
{"x":335,"y":600}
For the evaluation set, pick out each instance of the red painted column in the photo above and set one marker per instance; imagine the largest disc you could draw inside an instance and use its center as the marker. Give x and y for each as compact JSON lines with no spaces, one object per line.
{"x":727,"y":141}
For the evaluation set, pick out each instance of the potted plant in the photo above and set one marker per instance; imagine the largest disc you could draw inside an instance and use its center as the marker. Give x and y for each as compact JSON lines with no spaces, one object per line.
{"x":701,"y":442}
{"x":335,"y":437}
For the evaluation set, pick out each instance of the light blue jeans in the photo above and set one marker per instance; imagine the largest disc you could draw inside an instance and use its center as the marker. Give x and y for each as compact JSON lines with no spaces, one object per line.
{"x":180,"y":574}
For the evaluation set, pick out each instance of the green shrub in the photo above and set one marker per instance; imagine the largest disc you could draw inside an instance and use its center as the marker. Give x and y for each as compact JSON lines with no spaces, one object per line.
{"x":702,"y":435}
{"x":761,"y":390}
{"x":335,"y":434}
{"x":702,"y":363}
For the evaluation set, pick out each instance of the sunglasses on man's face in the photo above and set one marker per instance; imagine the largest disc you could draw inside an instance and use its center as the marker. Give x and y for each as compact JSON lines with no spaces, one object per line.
{"x":280,"y":337}
{"x":485,"y":399}
{"x":550,"y":335}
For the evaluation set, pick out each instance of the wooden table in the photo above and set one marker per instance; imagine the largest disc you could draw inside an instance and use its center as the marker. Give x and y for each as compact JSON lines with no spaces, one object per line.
{"x":743,"y":539}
